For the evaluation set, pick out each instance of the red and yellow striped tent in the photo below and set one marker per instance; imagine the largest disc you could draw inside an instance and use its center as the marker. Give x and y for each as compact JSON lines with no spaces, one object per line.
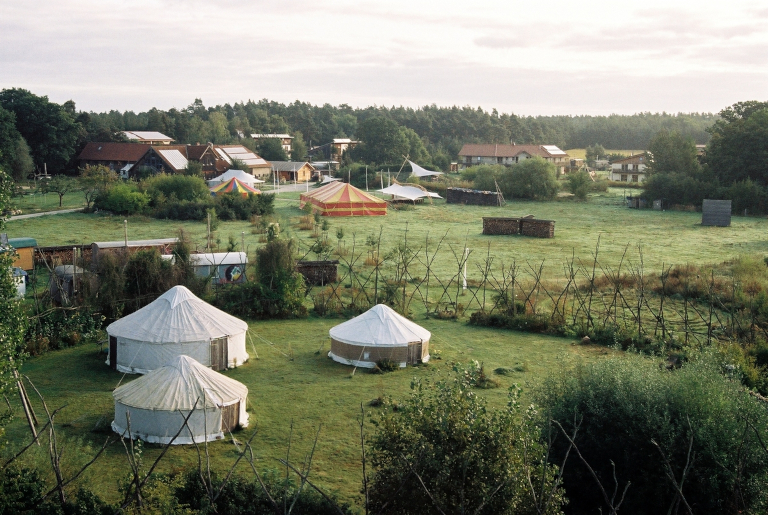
{"x":234,"y":186}
{"x":342,"y":199}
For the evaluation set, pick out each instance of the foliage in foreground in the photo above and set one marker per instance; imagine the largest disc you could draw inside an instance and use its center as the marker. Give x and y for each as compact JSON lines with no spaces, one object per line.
{"x":694,"y":423}
{"x":471,"y":459}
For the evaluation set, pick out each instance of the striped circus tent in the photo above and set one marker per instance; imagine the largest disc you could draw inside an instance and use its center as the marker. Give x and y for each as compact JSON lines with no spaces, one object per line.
{"x":342,"y":199}
{"x":234,"y":185}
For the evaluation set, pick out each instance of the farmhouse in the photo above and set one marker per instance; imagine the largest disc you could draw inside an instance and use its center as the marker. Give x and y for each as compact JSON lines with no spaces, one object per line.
{"x":629,"y":169}
{"x":120,"y":157}
{"x":158,"y":403}
{"x":177,"y":323}
{"x":256,"y":165}
{"x":291,"y":171}
{"x":509,"y":155}
{"x":379,"y":334}
{"x":147,"y":137}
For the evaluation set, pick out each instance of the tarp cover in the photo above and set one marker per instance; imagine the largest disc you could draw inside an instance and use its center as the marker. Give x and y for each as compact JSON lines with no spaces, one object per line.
{"x":177,"y":385}
{"x":342,"y":199}
{"x":177,"y":316}
{"x":240,"y":175}
{"x":380,"y":325}
{"x":422,"y":172}
{"x":408,"y":192}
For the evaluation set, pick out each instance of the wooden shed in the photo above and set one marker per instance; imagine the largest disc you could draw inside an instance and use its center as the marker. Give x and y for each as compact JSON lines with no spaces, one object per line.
{"x":25,"y":248}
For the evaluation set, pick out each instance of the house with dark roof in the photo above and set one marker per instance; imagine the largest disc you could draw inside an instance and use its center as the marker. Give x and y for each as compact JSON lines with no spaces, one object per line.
{"x":629,"y":169}
{"x":510,"y":155}
{"x":120,"y":157}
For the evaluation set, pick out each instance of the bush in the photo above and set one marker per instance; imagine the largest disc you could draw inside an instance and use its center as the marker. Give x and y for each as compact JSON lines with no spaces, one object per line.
{"x":176,"y":187}
{"x":533,"y":179}
{"x":123,"y":199}
{"x":626,"y":403}
{"x":472,"y":459}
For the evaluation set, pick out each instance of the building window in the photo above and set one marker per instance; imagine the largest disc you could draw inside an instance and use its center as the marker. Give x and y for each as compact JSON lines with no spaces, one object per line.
{"x":634,"y":178}
{"x":623,"y":177}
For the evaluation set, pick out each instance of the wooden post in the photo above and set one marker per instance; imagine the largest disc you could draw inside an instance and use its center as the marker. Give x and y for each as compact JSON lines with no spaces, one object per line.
{"x":31,"y":419}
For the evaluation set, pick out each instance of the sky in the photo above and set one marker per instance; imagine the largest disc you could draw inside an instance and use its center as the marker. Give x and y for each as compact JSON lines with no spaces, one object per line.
{"x":529,"y":58}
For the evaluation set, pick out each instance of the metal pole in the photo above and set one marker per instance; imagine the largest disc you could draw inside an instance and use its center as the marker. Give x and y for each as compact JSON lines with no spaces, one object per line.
{"x":366,"y":177}
{"x":125,"y":232}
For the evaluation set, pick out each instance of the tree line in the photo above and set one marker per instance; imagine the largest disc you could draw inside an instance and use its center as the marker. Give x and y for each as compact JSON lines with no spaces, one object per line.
{"x":35,"y":132}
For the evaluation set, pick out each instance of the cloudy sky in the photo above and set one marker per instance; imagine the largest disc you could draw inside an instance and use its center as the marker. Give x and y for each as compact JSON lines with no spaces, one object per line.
{"x":555,"y":57}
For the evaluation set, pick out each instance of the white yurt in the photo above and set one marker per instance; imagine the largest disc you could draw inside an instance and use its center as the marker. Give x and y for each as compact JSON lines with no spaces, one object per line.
{"x":379,"y":334}
{"x":177,"y":323}
{"x":240,"y":175}
{"x":158,"y":403}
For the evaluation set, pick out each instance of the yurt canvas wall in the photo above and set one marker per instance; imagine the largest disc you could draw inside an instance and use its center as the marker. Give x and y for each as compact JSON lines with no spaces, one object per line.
{"x":157,"y":404}
{"x":379,"y":334}
{"x":176,"y":323}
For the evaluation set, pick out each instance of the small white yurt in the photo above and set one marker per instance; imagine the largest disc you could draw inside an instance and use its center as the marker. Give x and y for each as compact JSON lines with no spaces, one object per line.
{"x":177,"y":323}
{"x":240,"y":175}
{"x":158,"y":403}
{"x":379,"y":334}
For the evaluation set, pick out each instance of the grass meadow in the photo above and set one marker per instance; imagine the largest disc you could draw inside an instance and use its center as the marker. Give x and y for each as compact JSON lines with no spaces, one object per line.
{"x":289,"y":376}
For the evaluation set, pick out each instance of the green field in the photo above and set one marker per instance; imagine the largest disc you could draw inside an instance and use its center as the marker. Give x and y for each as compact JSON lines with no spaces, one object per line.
{"x":666,"y":237}
{"x":290,"y":377}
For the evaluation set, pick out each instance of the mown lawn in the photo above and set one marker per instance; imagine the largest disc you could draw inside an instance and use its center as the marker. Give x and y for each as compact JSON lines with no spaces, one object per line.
{"x":290,"y":380}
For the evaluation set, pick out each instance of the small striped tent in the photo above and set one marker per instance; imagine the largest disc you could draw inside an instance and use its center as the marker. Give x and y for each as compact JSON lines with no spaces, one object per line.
{"x":234,"y":185}
{"x":342,"y":199}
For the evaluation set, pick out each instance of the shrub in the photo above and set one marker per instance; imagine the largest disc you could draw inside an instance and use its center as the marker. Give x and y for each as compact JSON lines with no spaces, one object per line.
{"x":470,"y":458}
{"x":176,"y":187}
{"x":123,"y":199}
{"x":624,"y":404}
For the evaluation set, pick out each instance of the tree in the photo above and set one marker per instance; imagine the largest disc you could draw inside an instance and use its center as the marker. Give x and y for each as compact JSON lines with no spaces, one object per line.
{"x":95,"y":180}
{"x":579,"y":184}
{"x":194,"y":169}
{"x":9,"y":137}
{"x":738,"y":149}
{"x":20,"y":163}
{"x":60,"y":184}
{"x":49,"y":129}
{"x":298,"y":147}
{"x":13,"y":321}
{"x":272,"y":149}
{"x":534,"y":178}
{"x":594,"y":152}
{"x":672,"y":152}
{"x":444,"y":451}
{"x":382,"y":142}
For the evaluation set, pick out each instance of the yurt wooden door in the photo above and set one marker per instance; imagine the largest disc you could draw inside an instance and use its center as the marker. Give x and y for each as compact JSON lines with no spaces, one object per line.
{"x":230,"y":417}
{"x":219,"y":354}
{"x":414,"y":353}
{"x":113,"y":352}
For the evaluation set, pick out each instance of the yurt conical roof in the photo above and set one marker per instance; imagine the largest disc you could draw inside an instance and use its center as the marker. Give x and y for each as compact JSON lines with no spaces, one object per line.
{"x":178,"y":385}
{"x":240,"y":175}
{"x":176,"y":316}
{"x":343,"y":199}
{"x":380,"y":325}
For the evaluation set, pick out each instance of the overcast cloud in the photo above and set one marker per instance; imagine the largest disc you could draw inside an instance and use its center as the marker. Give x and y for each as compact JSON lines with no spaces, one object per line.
{"x":524,"y":57}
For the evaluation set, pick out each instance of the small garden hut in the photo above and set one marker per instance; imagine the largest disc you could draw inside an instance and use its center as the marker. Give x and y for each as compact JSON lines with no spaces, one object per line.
{"x":177,"y":323}
{"x":379,"y":334}
{"x":234,"y":185}
{"x":342,"y":199}
{"x":158,"y":403}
